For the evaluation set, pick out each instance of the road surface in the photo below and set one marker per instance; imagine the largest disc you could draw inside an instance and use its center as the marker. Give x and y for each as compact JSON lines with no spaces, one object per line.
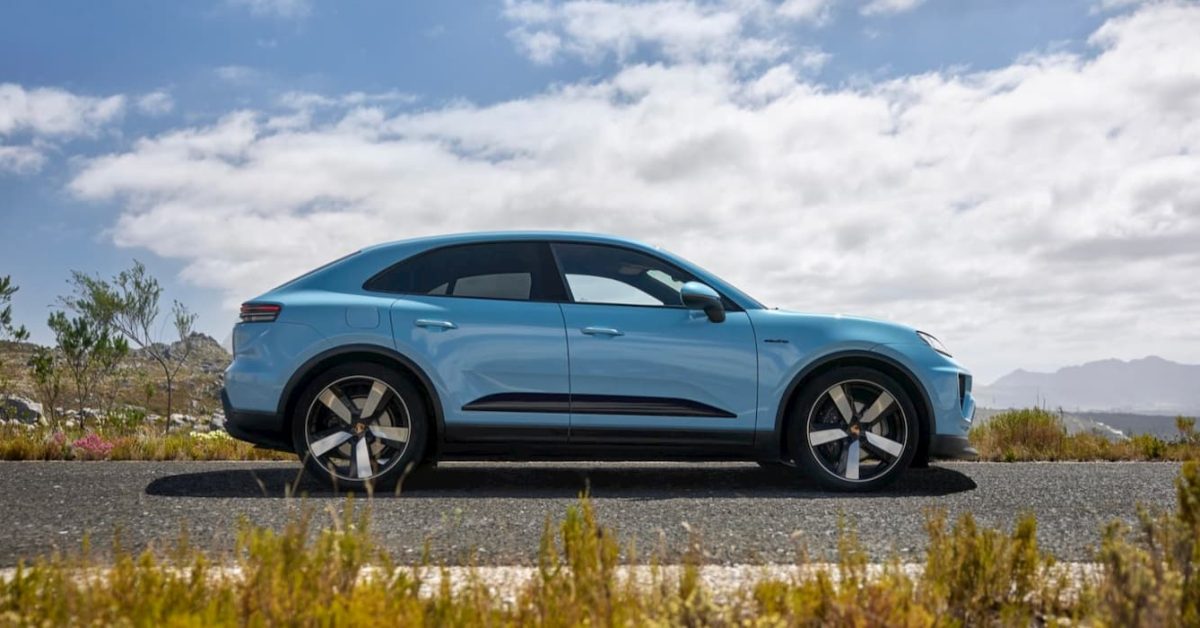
{"x":742,"y":513}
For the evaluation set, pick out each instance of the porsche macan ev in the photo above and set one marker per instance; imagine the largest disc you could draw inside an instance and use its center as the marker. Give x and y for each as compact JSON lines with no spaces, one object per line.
{"x":573,"y":346}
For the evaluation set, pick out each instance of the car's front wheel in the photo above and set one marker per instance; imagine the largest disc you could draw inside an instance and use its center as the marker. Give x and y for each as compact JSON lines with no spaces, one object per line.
{"x":361,"y":426}
{"x":853,"y":429}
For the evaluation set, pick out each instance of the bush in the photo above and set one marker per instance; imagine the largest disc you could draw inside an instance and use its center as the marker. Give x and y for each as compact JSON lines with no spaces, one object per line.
{"x":124,"y":438}
{"x":1034,"y":434}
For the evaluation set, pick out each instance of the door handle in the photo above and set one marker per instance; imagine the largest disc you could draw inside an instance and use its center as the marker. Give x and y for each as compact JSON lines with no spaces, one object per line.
{"x":430,"y":323}
{"x":602,"y":331}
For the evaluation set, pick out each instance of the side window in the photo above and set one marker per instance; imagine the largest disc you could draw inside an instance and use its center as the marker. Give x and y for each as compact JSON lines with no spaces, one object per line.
{"x":495,"y":270}
{"x":606,"y":274}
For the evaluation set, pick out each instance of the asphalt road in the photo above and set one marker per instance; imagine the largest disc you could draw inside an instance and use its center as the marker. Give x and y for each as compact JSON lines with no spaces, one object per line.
{"x":742,"y":513}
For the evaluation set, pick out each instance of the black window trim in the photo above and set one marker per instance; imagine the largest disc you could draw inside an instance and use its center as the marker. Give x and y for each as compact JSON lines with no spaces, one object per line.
{"x":554,"y":274}
{"x":539,"y":291}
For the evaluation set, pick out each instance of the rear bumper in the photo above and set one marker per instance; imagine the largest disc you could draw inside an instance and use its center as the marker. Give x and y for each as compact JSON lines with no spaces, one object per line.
{"x":958,"y":447}
{"x":264,"y":429}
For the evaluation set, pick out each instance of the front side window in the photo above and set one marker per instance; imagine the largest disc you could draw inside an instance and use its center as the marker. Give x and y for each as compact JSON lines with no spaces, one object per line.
{"x":617,"y":276}
{"x":495,"y":270}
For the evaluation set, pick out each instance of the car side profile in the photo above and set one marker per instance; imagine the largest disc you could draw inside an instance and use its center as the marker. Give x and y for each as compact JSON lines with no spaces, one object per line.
{"x":576,"y":346}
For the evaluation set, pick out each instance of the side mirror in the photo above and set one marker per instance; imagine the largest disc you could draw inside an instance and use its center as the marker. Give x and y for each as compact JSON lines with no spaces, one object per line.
{"x":697,"y":296}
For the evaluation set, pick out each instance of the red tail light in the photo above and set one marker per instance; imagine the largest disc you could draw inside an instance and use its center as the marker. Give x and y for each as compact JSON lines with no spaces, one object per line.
{"x":260,"y":312}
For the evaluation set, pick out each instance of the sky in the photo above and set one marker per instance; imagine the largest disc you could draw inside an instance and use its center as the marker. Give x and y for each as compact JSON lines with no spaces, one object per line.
{"x":1019,"y":177}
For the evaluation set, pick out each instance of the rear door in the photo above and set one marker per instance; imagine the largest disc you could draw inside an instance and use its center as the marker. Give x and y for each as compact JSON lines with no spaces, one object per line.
{"x":485,"y":319}
{"x":644,"y":369}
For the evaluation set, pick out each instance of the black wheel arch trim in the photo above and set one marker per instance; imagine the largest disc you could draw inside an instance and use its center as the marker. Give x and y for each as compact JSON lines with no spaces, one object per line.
{"x":785,"y":402}
{"x":308,"y":369}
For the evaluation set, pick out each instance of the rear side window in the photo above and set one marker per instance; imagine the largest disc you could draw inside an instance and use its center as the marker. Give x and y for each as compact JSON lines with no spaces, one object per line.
{"x":496,"y":270}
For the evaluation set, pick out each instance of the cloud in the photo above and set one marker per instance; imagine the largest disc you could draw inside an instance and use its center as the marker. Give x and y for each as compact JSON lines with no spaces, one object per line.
{"x":680,"y":30}
{"x":32,"y":120}
{"x":288,"y":9}
{"x":54,"y":112}
{"x":155,"y":103}
{"x":21,"y":159}
{"x":889,"y":7}
{"x":236,"y":74}
{"x":1035,"y":214}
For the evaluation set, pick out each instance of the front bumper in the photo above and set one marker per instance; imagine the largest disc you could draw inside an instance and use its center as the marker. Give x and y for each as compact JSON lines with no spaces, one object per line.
{"x":264,"y":429}
{"x":943,"y":446}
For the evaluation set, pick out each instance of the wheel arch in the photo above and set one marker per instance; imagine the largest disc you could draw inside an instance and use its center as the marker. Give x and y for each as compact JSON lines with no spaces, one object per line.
{"x":869,"y":359}
{"x":374,"y":354}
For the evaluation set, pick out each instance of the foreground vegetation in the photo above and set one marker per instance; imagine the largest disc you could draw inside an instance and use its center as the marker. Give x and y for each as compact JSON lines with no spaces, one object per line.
{"x":1035,"y":434}
{"x":124,"y":441}
{"x":338,"y":575}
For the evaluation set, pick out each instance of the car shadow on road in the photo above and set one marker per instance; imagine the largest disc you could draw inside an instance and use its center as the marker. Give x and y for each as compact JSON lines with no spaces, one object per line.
{"x":550,"y":481}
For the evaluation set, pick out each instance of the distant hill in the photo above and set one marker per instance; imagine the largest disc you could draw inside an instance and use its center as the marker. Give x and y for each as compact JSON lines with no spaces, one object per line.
{"x":1150,"y":385}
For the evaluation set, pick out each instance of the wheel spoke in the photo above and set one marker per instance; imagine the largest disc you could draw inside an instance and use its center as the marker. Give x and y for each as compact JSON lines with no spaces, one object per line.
{"x":838,"y":395}
{"x":378,"y":391}
{"x":362,"y":459}
{"x":324,"y":445}
{"x":821,"y":437}
{"x":390,"y":435}
{"x":851,"y":457}
{"x":336,"y":404}
{"x":881,"y":405}
{"x":884,"y":444}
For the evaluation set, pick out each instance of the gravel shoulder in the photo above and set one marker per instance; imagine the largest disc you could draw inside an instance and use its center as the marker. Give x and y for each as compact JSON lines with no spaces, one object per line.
{"x":496,"y":511}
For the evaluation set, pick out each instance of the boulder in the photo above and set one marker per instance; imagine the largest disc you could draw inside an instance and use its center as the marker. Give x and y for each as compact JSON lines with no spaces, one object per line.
{"x":21,"y":410}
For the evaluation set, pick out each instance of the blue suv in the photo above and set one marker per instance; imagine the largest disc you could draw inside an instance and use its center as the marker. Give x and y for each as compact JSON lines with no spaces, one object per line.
{"x":576,"y":346}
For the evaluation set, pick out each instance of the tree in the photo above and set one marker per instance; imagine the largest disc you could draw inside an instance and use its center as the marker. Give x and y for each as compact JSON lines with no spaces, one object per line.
{"x":89,"y":351}
{"x":129,"y":303}
{"x":7,"y":330}
{"x":47,"y":379}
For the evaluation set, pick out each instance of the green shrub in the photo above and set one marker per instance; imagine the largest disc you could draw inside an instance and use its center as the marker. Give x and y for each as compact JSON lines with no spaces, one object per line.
{"x":1036,"y":434}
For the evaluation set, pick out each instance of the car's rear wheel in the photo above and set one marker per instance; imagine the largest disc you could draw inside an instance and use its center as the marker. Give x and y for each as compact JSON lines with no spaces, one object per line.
{"x":361,"y":426}
{"x":853,"y":429}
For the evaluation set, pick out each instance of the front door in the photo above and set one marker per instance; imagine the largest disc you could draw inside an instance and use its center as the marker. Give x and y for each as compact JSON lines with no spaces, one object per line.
{"x":644,"y":369}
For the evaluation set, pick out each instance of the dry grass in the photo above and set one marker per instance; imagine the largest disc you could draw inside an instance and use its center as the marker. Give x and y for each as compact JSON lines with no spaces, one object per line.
{"x":114,"y":442}
{"x":338,"y":575}
{"x":1039,"y":435}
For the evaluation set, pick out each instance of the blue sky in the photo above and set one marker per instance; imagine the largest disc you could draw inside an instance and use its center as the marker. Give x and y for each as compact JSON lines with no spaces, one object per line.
{"x":468,"y":79}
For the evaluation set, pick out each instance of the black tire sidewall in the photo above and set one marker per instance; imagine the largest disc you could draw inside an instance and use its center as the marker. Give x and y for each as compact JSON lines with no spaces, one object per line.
{"x":418,"y":428}
{"x":798,"y":418}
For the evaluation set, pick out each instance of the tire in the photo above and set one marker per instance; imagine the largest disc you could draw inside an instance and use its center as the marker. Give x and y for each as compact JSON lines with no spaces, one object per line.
{"x":338,"y":443}
{"x":843,"y":440}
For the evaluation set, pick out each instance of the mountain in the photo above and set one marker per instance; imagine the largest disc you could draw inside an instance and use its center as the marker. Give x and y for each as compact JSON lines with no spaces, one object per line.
{"x":1150,"y":385}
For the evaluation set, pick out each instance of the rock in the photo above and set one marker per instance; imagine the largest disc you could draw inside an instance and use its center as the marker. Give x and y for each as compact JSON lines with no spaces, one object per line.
{"x":21,"y":410}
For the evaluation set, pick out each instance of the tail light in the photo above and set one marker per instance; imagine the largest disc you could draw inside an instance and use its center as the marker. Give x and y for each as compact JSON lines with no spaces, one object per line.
{"x":260,"y":312}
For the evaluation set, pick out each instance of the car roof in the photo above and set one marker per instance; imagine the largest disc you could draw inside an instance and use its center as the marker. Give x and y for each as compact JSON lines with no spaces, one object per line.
{"x":503,"y":236}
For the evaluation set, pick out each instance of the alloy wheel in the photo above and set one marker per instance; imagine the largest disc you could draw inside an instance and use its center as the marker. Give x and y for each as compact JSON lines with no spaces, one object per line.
{"x":358,"y":428}
{"x":857,"y":430}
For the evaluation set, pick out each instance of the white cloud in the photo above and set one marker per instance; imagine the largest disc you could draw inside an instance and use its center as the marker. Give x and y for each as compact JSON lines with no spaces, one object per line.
{"x":814,"y":11}
{"x":681,"y":30}
{"x":20,"y":159}
{"x":236,"y":73}
{"x":288,"y":9}
{"x":156,"y":103}
{"x":54,"y":112}
{"x":889,"y":7}
{"x":1041,"y":213}
{"x":31,"y":120}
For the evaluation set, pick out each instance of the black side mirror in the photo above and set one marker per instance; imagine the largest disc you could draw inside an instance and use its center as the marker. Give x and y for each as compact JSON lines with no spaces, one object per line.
{"x":697,"y":296}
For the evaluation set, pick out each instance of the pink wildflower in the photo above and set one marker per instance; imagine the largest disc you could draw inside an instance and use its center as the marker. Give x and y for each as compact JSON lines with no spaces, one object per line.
{"x":93,"y":446}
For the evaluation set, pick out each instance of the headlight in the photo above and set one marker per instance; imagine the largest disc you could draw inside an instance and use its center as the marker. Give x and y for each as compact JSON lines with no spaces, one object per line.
{"x":934,"y":343}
